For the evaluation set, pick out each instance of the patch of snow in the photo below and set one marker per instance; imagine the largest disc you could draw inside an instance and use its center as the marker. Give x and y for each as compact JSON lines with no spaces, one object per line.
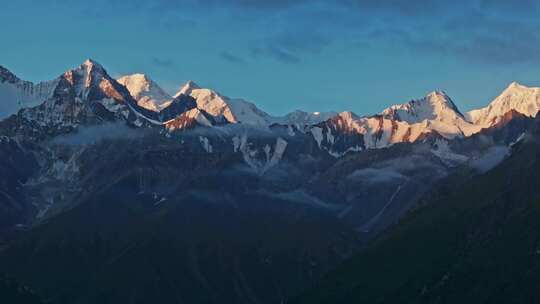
{"x":317,"y":133}
{"x":250,"y":154}
{"x":329,"y":137}
{"x":446,"y":154}
{"x":519,"y":139}
{"x":369,"y":224}
{"x":279,"y":150}
{"x":290,"y":131}
{"x":490,"y":159}
{"x":377,"y":175}
{"x":205,"y":142}
{"x":23,"y":94}
{"x":112,"y":105}
{"x":300,"y":196}
{"x":340,"y":154}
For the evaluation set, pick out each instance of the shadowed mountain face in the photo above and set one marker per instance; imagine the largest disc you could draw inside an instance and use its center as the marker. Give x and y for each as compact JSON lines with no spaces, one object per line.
{"x":196,"y":245}
{"x":13,"y":292}
{"x":17,"y":167}
{"x":152,"y":219}
{"x":156,"y":218}
{"x":475,"y":240}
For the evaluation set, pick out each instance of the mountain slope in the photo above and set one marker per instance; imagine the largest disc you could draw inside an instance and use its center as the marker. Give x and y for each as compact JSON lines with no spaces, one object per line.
{"x":16,"y":94}
{"x":158,"y":222}
{"x":17,"y":166}
{"x":474,"y":241}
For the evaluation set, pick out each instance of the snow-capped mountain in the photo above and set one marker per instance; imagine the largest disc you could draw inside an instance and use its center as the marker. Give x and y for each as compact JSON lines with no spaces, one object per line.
{"x":70,"y":101}
{"x":347,"y":132}
{"x":237,"y":110}
{"x":434,"y":115}
{"x":147,"y":93}
{"x":87,"y":144}
{"x":208,"y":100}
{"x":234,"y":110}
{"x":517,"y":97}
{"x":435,"y":106}
{"x":85,"y":95}
{"x":438,"y":109}
{"x":88,"y":95}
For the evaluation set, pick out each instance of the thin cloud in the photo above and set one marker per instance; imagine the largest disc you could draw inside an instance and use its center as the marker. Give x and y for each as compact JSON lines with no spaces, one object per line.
{"x":163,"y":63}
{"x":275,"y":53}
{"x":494,"y":32}
{"x":227,"y":56}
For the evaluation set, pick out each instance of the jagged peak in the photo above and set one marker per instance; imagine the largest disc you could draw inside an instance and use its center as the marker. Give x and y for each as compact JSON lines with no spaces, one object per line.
{"x":516,"y":96}
{"x":523,"y":93}
{"x":88,"y":72}
{"x":89,"y":69}
{"x":517,"y":87}
{"x":436,"y":105}
{"x":438,"y":94}
{"x":439,"y":97}
{"x":90,"y":63}
{"x":434,"y":98}
{"x":187,"y":88}
{"x":192,"y":84}
{"x":94,"y":66}
{"x":515,"y":84}
{"x":348,"y":115}
{"x":443,"y":99}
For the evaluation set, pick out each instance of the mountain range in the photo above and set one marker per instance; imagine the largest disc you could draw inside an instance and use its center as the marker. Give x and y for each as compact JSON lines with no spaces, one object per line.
{"x":113,"y":189}
{"x":141,"y":98}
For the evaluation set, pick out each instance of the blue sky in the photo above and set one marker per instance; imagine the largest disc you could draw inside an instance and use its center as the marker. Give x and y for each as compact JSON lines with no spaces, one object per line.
{"x":286,"y":54}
